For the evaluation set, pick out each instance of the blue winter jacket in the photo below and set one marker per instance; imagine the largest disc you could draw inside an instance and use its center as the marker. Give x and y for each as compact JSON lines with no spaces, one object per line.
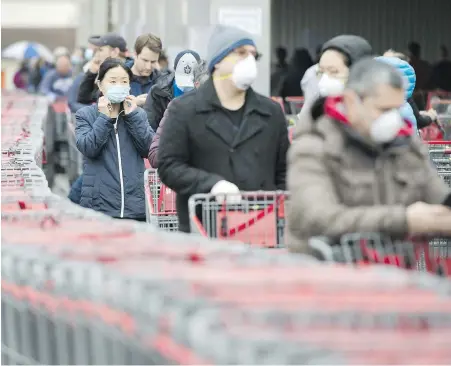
{"x":54,"y":85}
{"x":410,"y":78}
{"x":104,"y":188}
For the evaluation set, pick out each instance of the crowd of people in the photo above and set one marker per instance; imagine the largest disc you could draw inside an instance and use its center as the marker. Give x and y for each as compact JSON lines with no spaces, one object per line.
{"x":355,"y":164}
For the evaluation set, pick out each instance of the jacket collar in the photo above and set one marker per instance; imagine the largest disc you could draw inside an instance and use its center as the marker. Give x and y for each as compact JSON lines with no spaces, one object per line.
{"x":207,"y":100}
{"x":333,"y":108}
{"x":254,"y":109}
{"x":337,"y":121}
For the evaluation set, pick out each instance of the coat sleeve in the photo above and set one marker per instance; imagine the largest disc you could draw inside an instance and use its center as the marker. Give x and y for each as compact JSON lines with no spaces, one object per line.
{"x":173,"y":155}
{"x":435,"y":189}
{"x":87,"y":89}
{"x":140,"y":131}
{"x":315,"y":208}
{"x":45,"y":87}
{"x":283,"y":145}
{"x":422,"y":121}
{"x":72,"y":95}
{"x":153,"y":151}
{"x":91,"y":138}
{"x":149,"y":108}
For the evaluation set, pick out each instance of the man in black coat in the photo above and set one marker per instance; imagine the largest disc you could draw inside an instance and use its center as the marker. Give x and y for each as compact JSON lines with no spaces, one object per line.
{"x":224,"y":137}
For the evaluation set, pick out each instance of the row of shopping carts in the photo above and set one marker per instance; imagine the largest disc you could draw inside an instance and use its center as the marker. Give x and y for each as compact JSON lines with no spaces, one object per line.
{"x":81,"y":288}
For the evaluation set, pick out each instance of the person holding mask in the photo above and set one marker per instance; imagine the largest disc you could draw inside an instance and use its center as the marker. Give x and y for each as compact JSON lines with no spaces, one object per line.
{"x":224,"y":137}
{"x":114,"y":137}
{"x":110,"y":45}
{"x":360,"y":168}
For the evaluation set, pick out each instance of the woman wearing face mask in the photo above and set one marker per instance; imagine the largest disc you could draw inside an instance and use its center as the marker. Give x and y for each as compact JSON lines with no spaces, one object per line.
{"x":114,"y":137}
{"x":360,"y":168}
{"x":329,"y":76}
{"x":224,"y":137}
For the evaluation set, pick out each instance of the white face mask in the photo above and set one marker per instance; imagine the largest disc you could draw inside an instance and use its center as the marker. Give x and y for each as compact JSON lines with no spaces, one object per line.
{"x":330,"y":87}
{"x":385,"y":128}
{"x":245,"y":72}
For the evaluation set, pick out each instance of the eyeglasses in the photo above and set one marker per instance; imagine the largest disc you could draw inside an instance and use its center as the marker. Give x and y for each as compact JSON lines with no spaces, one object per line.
{"x":334,"y":74}
{"x":243,"y":53}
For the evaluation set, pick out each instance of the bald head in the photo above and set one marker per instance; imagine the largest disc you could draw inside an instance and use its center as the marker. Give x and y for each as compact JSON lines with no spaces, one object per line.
{"x":63,"y":65}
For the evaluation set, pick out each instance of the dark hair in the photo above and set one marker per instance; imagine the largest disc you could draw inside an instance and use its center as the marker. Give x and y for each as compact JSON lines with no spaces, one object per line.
{"x":281,"y":53}
{"x":111,"y":63}
{"x":346,"y":58}
{"x":151,"y":41}
{"x":415,"y":49}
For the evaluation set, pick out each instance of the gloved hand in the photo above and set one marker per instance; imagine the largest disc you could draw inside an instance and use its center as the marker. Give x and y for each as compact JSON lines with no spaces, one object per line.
{"x":226,"y":191}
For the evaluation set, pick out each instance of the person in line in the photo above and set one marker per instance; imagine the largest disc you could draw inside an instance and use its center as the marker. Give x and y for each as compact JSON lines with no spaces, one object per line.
{"x":422,"y":67}
{"x":56,"y":82}
{"x":409,"y":76}
{"x":441,"y":72}
{"x":300,"y":63}
{"x":163,"y":63}
{"x":114,"y":137}
{"x":279,"y":71}
{"x":200,"y":76}
{"x":423,"y":118}
{"x":110,"y":45}
{"x":330,"y":75}
{"x":72,"y":95}
{"x":170,"y":86}
{"x":224,"y":137}
{"x":21,"y":76}
{"x":145,"y":66}
{"x":359,"y":167}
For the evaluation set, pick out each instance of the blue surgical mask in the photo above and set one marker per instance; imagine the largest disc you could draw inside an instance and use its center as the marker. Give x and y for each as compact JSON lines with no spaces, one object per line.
{"x":89,"y":53}
{"x":117,"y":93}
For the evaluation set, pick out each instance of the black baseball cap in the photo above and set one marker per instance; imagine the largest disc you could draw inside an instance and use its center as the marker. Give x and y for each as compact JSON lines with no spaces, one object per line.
{"x":110,"y":39}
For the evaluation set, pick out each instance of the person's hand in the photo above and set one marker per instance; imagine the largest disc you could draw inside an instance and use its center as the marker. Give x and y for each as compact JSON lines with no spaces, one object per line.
{"x":423,"y":218}
{"x":431,"y":113}
{"x":104,"y":106}
{"x":130,"y":104}
{"x":226,"y":191}
{"x":95,"y":65}
{"x":141,"y":99}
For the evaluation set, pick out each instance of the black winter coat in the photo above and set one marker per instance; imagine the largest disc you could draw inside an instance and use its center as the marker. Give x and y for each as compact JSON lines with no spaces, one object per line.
{"x":158,"y":99}
{"x":199,"y":146}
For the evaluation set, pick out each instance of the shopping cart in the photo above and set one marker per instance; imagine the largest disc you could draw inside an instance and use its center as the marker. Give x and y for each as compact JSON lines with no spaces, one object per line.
{"x":440,"y":153}
{"x":257,"y":219}
{"x":295,"y":103}
{"x":361,"y":249}
{"x":160,"y":202}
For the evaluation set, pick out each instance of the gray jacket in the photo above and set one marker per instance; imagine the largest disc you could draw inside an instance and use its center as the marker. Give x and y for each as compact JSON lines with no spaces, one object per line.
{"x":104,"y":188}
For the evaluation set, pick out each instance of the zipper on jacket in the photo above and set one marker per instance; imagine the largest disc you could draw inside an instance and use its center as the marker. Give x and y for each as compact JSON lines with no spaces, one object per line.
{"x":119,"y":159}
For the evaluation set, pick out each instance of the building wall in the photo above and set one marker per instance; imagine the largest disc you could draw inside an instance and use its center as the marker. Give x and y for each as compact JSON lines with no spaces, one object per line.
{"x":385,"y":23}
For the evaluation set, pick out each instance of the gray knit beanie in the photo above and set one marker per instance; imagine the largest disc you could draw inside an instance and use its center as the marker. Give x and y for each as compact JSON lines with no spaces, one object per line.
{"x":223,"y":41}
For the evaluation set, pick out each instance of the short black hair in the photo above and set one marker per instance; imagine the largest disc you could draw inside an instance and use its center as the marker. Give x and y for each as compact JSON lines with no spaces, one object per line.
{"x":111,"y":63}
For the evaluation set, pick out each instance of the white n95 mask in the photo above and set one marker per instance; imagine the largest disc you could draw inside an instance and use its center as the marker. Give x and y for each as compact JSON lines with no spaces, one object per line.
{"x":330,"y":87}
{"x":245,"y":72}
{"x":385,"y":128}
